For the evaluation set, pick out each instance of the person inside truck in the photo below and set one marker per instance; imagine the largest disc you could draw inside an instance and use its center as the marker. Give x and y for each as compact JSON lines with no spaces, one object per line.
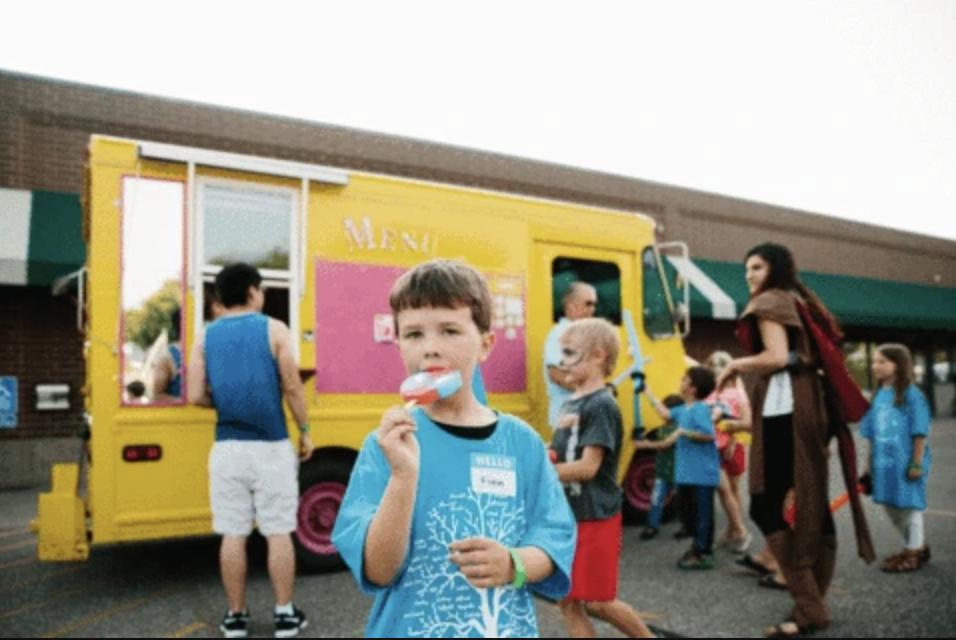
{"x":579,"y":301}
{"x":167,"y":381}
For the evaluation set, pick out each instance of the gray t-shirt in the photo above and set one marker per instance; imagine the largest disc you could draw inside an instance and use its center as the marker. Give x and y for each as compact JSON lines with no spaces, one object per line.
{"x":598,"y":423}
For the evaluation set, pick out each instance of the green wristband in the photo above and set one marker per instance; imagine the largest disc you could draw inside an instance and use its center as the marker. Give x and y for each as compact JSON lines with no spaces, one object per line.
{"x":916,"y":466}
{"x":304,"y":428}
{"x":520,"y":575}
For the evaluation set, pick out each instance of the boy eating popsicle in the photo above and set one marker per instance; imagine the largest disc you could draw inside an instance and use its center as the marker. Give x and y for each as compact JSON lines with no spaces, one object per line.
{"x":453,"y":512}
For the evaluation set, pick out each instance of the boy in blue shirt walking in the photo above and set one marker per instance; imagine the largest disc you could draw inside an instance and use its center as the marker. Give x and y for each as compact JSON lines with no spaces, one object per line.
{"x":696,"y":461}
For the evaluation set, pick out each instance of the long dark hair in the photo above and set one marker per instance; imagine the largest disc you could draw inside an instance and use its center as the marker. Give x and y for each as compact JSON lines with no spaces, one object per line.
{"x":899,"y":355}
{"x":783,"y":275}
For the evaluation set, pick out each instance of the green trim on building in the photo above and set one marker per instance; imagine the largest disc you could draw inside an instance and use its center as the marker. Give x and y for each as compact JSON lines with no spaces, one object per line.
{"x":56,"y":237}
{"x":855,"y":301}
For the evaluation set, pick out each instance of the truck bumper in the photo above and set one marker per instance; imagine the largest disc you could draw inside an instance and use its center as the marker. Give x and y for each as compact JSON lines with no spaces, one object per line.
{"x":61,"y":521}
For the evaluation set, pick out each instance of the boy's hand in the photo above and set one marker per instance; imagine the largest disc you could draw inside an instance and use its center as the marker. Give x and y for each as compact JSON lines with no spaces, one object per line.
{"x":484,"y":563}
{"x":672,"y":438}
{"x":914,"y":472}
{"x":396,"y":437}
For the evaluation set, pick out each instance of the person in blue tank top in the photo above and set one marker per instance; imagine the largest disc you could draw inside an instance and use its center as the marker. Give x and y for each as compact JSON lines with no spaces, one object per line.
{"x":243,"y":366}
{"x":453,"y":512}
{"x":897,"y":426}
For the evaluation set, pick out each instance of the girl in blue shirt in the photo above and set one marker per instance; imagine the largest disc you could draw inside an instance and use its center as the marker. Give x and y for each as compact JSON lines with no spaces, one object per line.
{"x":897,"y":426}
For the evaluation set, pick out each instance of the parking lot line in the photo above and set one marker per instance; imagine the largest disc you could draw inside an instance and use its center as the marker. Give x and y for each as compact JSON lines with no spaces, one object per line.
{"x":36,"y":605}
{"x":185,"y":631}
{"x":14,"y":532}
{"x":18,"y":545}
{"x":17,"y":563}
{"x":58,"y":572}
{"x":103,"y":615}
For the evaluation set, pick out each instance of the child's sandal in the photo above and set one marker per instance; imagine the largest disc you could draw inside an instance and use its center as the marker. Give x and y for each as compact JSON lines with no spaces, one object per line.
{"x":904,"y":562}
{"x":892,"y":559}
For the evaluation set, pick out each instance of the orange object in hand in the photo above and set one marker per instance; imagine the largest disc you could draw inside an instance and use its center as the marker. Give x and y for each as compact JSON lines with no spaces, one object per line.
{"x":790,"y":515}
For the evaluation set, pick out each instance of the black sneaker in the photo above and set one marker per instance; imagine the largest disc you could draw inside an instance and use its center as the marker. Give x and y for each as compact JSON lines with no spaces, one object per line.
{"x":648,"y":533}
{"x":681,"y":534}
{"x":288,"y":625}
{"x":235,"y":625}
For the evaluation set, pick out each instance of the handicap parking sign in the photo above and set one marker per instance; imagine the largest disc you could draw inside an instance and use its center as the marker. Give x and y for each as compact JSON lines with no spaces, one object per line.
{"x":8,"y":403}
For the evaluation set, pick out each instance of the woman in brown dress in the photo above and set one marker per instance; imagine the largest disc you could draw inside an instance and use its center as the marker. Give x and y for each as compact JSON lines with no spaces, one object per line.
{"x":788,"y":456}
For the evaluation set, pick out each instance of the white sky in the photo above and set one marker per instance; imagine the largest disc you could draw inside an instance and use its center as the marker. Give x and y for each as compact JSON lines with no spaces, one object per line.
{"x":152,"y":237}
{"x":842,"y":107}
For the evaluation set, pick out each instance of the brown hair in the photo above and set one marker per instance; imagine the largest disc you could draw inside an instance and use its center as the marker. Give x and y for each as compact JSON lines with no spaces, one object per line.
{"x":899,"y":355}
{"x":703,"y":380}
{"x":783,"y":275}
{"x":597,"y":333}
{"x":448,"y":284}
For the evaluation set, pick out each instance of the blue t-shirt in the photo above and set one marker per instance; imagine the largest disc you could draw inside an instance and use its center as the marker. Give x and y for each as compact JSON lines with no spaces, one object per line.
{"x":502,"y":487}
{"x":890,"y":429}
{"x":244,"y":379}
{"x":695,"y":463}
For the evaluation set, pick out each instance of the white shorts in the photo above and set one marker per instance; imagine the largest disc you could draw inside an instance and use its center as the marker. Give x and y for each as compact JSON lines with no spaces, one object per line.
{"x":253,"y":483}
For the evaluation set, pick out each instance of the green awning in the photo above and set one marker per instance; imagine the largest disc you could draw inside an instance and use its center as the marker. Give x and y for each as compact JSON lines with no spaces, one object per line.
{"x":855,"y":301}
{"x":42,"y":236}
{"x":869,"y":302}
{"x":716,"y":290}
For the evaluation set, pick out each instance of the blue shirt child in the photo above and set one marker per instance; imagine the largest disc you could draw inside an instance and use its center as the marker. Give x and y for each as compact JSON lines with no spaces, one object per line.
{"x":695,"y":463}
{"x":890,"y":428}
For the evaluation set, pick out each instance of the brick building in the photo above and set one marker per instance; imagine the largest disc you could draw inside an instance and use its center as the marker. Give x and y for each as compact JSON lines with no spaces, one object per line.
{"x":883,"y":284}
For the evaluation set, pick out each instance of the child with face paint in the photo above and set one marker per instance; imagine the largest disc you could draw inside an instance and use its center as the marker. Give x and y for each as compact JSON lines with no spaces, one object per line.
{"x":588,"y":442}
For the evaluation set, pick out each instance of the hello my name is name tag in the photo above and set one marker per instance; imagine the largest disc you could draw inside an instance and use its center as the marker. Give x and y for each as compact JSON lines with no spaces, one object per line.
{"x":494,"y":474}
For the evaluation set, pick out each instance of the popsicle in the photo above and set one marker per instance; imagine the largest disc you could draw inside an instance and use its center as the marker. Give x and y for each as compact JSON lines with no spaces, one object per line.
{"x":428,"y":386}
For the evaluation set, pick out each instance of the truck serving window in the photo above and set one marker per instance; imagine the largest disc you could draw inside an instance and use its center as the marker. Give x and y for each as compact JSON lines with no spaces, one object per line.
{"x":244,"y":222}
{"x":605,"y":277}
{"x":152,"y":291}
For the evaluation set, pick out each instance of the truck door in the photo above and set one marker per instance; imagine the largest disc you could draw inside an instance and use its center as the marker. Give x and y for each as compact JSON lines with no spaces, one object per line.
{"x":625,"y":281}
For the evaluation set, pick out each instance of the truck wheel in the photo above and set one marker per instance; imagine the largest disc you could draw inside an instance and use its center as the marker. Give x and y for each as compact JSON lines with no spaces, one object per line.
{"x":638,"y":485}
{"x":322,"y":485}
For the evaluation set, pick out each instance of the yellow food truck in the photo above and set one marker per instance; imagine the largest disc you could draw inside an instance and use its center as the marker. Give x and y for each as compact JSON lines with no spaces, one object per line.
{"x":161,"y":220}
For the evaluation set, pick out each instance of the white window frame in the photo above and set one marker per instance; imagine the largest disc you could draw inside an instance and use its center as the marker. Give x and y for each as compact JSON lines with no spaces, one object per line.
{"x":201,"y":272}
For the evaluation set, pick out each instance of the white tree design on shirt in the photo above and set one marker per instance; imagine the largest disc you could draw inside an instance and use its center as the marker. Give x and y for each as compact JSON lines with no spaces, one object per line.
{"x":447,"y":605}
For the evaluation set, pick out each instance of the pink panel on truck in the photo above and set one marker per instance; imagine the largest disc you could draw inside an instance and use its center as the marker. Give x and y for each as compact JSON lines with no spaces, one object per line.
{"x":355,"y":348}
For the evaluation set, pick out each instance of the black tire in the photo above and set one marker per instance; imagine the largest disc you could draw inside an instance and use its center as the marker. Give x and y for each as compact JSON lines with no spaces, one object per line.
{"x":638,"y":484}
{"x":322,"y":484}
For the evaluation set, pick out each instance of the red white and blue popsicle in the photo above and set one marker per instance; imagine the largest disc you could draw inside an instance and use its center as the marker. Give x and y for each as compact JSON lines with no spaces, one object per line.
{"x":428,"y":386}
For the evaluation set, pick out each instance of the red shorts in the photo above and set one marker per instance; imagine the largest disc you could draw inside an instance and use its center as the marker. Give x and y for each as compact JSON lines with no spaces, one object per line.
{"x":596,"y":559}
{"x":737,"y":463}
